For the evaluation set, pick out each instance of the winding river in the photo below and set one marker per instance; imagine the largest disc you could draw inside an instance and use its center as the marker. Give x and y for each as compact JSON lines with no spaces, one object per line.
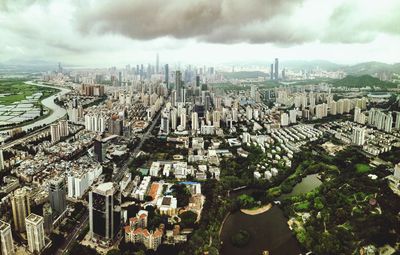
{"x":57,"y":112}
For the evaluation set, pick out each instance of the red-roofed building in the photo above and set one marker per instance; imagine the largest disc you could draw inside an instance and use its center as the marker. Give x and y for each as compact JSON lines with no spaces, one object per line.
{"x":137,"y":232}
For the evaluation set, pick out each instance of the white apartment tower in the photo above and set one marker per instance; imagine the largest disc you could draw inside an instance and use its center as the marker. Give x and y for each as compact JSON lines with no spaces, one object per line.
{"x":6,"y":240}
{"x":359,"y":136}
{"x":35,"y":233}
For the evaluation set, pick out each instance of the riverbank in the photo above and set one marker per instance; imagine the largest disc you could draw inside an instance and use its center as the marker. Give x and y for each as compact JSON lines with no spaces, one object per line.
{"x":55,"y":112}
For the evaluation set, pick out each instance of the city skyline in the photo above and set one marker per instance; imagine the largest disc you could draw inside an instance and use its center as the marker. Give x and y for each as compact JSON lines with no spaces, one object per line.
{"x":209,"y":32}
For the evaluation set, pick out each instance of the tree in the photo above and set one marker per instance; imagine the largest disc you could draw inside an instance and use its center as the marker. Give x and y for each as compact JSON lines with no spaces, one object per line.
{"x":181,"y":193}
{"x":114,"y":252}
{"x":188,"y":219}
{"x":246,"y":201}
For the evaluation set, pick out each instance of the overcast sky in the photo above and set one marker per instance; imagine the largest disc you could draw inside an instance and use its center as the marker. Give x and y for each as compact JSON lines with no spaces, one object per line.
{"x":102,"y":33}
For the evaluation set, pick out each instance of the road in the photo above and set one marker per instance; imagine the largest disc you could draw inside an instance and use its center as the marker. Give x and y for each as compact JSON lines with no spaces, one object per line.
{"x":118,"y":177}
{"x":69,"y":240}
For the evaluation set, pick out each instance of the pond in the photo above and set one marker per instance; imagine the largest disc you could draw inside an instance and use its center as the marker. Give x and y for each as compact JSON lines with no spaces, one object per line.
{"x":307,"y":184}
{"x":268,"y":231}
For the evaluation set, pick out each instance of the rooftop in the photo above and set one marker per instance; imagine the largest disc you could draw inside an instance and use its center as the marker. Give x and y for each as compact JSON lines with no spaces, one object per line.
{"x":34,"y":218}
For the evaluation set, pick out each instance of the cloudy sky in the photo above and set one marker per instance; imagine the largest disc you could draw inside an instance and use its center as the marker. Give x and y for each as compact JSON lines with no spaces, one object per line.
{"x":117,"y":32}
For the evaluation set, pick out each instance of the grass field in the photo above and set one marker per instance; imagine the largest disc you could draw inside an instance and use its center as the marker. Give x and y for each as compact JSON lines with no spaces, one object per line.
{"x":362,"y":168}
{"x":16,"y":90}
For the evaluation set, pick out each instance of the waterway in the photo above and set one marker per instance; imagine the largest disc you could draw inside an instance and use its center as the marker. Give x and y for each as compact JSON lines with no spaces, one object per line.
{"x":56,"y":113}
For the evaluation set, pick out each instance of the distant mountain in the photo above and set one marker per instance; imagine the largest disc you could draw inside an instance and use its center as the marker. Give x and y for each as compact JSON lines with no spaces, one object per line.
{"x":352,"y":81}
{"x":372,"y":68}
{"x":311,"y":65}
{"x":244,"y":75}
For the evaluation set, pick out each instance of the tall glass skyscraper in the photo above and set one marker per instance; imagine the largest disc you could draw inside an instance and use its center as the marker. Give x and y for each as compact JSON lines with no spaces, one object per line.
{"x":105,"y":212}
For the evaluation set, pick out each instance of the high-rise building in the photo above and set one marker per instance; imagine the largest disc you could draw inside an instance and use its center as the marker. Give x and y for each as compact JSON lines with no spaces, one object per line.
{"x":276,"y":69}
{"x":35,"y":233}
{"x":359,"y":136}
{"x":165,"y":122}
{"x":284,"y":119}
{"x":166,"y":78}
{"x":357,"y":112}
{"x":47,"y":218}
{"x":63,"y":128}
{"x":195,"y":121}
{"x":105,"y":212}
{"x":249,"y":112}
{"x":57,"y":195}
{"x":253,"y":91}
{"x":6,"y":240}
{"x":183,"y":120}
{"x":217,"y":119}
{"x":292,"y":116}
{"x":157,"y":64}
{"x":388,"y":122}
{"x":174,"y":118}
{"x":197,"y":81}
{"x":55,"y":133}
{"x":271,"y":73}
{"x":120,"y":78}
{"x":1,"y":160}
{"x":397,"y":124}
{"x":178,"y":85}
{"x":100,"y":148}
{"x":20,"y":204}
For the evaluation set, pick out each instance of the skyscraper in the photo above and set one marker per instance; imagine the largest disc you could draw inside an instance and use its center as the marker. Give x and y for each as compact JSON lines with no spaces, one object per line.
{"x":197,"y":81}
{"x":271,"y":73}
{"x":57,"y":196}
{"x":35,"y":233}
{"x":6,"y":240}
{"x":167,"y":75}
{"x":276,"y":69}
{"x":104,"y":212}
{"x":157,"y":63}
{"x":178,"y":85}
{"x":20,"y":207}
{"x":120,"y":78}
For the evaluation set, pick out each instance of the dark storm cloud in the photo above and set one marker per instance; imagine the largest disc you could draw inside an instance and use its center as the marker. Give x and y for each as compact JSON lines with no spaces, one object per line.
{"x":236,"y":21}
{"x":219,"y":21}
